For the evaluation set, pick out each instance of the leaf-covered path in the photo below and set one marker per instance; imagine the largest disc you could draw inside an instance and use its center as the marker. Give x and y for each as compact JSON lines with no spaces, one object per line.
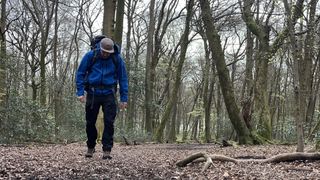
{"x":149,"y":161}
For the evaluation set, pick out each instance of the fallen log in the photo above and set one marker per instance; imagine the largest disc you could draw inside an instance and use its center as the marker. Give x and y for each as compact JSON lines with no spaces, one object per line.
{"x":286,"y":157}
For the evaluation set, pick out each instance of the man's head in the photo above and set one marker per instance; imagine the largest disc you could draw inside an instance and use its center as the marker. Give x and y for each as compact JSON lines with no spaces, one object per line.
{"x":106,"y":46}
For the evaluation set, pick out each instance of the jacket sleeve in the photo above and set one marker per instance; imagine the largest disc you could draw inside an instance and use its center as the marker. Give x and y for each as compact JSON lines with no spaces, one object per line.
{"x":81,"y":73}
{"x":123,"y":80}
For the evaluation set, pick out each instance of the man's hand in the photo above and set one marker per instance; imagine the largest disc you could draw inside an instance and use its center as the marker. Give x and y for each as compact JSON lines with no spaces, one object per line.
{"x":123,"y":105}
{"x":82,"y":99}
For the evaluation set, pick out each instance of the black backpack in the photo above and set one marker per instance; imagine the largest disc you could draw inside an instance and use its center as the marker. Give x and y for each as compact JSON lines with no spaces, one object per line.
{"x":93,"y":46}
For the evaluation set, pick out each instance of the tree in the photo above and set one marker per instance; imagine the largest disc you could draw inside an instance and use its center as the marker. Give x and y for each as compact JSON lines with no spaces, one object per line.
{"x":135,"y":45}
{"x":302,"y":69}
{"x":43,"y":19}
{"x":62,"y":80}
{"x":148,"y":82}
{"x":167,"y":15}
{"x":296,"y":54}
{"x":2,"y":63}
{"x":119,"y":22}
{"x":247,"y":88}
{"x":223,"y":74}
{"x":108,"y":17}
{"x":131,"y":7}
{"x":265,"y":51}
{"x":174,"y":96}
{"x":207,"y":86}
{"x":56,"y":99}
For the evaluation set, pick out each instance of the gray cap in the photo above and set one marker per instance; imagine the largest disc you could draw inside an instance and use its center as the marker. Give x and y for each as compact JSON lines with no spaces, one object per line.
{"x":106,"y":45}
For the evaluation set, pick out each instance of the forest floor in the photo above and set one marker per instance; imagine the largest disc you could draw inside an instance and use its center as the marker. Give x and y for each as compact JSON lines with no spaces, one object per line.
{"x":148,"y":161}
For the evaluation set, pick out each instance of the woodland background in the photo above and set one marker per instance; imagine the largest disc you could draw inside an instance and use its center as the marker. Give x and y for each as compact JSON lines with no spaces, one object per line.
{"x":203,"y":71}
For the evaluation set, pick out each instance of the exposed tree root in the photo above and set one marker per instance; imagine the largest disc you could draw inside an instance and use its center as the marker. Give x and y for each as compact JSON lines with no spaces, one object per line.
{"x":286,"y":157}
{"x":126,"y":141}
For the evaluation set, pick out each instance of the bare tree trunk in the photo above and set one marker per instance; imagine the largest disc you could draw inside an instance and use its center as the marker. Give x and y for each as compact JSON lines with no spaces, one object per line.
{"x":296,"y":54}
{"x":174,"y":95}
{"x":3,"y":65}
{"x":179,"y":113}
{"x":172,"y":127}
{"x":261,"y":108}
{"x":315,"y":128}
{"x":130,"y":11}
{"x":206,"y":97}
{"x":44,"y":31}
{"x":57,"y":110}
{"x":108,"y":18}
{"x":247,"y":89}
{"x":148,"y":83}
{"x":306,"y":65}
{"x":119,"y":22}
{"x":309,"y":69}
{"x":219,"y":107}
{"x":195,"y":129}
{"x":224,"y":79}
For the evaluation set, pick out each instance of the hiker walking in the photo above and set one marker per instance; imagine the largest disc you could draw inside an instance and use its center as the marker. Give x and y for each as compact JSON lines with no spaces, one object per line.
{"x":99,"y":73}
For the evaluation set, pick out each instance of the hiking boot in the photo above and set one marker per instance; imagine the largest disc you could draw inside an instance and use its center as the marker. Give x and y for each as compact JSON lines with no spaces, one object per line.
{"x":106,"y":155}
{"x":90,"y":152}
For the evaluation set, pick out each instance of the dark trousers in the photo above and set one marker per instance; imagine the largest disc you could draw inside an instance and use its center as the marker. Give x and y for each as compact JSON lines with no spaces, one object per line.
{"x":109,"y":109}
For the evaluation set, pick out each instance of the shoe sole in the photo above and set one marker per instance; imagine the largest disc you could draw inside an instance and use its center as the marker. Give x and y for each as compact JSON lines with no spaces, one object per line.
{"x":106,"y":157}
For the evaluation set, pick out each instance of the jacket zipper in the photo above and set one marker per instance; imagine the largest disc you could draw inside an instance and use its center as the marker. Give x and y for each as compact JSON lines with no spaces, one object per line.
{"x":101,"y":81}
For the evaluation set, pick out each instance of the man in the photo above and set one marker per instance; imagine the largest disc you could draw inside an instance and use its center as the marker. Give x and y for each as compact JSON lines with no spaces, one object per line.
{"x":100,"y":70}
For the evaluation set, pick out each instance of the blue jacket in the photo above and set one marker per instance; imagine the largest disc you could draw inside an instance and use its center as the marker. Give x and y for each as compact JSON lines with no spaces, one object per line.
{"x":102,"y":74}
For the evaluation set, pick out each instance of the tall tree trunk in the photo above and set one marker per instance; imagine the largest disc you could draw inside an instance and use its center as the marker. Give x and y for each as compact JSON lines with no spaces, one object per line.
{"x":43,"y":69}
{"x":3,"y":65}
{"x":172,"y":127}
{"x":314,"y":97}
{"x":108,"y":18}
{"x":223,"y":73}
{"x":261,"y":107}
{"x":119,"y":22}
{"x":56,"y":99}
{"x":247,"y":89}
{"x":179,"y":114}
{"x":148,"y":83}
{"x":210,"y":99}
{"x":307,"y":71}
{"x":220,"y":116}
{"x":130,"y":10}
{"x":133,"y":92}
{"x":44,"y":31}
{"x":174,"y":95}
{"x":195,"y":129}
{"x":206,"y":97}
{"x":298,"y":85}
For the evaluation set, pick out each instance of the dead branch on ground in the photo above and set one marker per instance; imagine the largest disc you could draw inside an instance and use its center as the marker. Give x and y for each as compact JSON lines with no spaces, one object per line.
{"x":208,"y":159}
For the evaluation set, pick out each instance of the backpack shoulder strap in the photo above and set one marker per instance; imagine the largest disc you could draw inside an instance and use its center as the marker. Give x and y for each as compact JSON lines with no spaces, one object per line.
{"x":115,"y":61}
{"x":92,"y":61}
